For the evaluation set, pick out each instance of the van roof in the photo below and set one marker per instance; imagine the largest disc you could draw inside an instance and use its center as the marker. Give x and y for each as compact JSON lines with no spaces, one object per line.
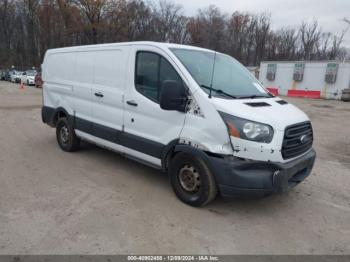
{"x":111,"y":45}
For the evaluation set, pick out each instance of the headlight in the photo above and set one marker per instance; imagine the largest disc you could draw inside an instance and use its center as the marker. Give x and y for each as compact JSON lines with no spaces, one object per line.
{"x":246,"y":129}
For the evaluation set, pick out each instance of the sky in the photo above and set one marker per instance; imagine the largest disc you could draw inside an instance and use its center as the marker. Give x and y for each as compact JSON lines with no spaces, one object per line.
{"x":329,"y":13}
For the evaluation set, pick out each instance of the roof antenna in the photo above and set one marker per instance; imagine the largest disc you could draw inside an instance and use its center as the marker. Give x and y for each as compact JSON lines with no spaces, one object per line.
{"x":212,"y":75}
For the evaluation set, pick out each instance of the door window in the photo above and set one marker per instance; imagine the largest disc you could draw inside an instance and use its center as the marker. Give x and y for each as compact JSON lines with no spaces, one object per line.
{"x":151,"y":71}
{"x":167,"y":72}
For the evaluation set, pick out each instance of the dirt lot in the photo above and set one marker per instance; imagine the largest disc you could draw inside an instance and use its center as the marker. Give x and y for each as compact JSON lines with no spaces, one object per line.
{"x":96,"y":201}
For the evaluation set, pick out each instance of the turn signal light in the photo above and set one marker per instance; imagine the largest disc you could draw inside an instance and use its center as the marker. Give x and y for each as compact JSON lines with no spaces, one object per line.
{"x":232,"y":130}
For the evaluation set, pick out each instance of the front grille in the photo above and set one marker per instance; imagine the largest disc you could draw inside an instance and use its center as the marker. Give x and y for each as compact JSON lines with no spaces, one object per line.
{"x":297,"y":140}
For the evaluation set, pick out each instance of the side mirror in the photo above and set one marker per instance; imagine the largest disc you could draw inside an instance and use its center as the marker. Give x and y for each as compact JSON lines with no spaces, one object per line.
{"x":173,"y":96}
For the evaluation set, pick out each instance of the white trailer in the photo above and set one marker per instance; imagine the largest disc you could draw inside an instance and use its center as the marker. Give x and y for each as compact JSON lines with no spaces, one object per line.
{"x":324,"y":79}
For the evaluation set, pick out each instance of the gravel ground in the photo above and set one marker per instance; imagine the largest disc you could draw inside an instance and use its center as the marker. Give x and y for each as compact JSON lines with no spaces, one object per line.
{"x":97,"y":202}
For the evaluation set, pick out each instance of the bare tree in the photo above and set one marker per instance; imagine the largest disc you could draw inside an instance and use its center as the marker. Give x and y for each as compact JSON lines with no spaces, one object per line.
{"x":30,"y":14}
{"x":29,"y":27}
{"x":286,"y":44}
{"x":93,"y":12}
{"x":7,"y":23}
{"x":310,"y":35}
{"x":260,"y":36}
{"x":167,"y":16}
{"x":237,"y":27}
{"x":208,"y":28}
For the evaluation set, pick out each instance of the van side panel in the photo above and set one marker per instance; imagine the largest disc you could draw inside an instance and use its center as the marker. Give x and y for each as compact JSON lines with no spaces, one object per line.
{"x":84,"y":72}
{"x":110,"y":66}
{"x":58,"y":76}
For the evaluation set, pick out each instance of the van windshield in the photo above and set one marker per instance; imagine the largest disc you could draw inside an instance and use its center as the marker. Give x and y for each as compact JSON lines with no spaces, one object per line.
{"x":230,"y":78}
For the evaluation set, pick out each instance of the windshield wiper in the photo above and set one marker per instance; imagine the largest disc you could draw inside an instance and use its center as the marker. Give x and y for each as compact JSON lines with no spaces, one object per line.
{"x":255,"y":96}
{"x":219,"y":91}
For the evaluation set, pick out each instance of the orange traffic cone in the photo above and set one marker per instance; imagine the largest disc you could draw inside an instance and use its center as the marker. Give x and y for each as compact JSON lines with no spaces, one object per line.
{"x":21,"y":85}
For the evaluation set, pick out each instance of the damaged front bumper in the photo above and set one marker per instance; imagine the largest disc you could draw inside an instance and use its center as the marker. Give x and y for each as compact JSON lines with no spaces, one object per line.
{"x":253,"y":179}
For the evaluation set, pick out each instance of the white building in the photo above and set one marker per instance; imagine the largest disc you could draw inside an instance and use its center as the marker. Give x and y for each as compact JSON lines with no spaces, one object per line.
{"x":325,"y":79}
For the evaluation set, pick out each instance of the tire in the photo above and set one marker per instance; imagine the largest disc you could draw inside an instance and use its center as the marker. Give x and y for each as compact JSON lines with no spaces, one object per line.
{"x":66,"y":138}
{"x":192,"y":180}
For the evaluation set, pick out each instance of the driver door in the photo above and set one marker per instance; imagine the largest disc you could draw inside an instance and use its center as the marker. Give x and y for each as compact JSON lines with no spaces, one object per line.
{"x":149,"y":127}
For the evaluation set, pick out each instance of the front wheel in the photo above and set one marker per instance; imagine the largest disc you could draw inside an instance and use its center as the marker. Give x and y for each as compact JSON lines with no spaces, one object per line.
{"x":66,"y":138}
{"x":192,"y":180}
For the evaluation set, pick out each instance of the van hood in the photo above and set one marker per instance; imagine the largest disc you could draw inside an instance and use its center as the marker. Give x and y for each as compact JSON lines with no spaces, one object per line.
{"x":264,"y":110}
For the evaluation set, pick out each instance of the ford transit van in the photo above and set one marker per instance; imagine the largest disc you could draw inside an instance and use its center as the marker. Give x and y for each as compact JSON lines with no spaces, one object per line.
{"x":198,"y":115}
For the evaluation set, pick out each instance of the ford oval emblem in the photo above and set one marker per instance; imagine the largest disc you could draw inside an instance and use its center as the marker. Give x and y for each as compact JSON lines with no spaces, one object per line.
{"x":303,"y":139}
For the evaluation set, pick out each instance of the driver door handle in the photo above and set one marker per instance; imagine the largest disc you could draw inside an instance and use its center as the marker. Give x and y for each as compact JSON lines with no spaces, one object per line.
{"x":131,"y":103}
{"x":99,"y":94}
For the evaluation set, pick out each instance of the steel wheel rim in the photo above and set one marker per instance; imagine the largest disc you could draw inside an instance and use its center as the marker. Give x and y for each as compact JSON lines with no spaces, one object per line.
{"x":64,"y":134}
{"x":189,"y":179}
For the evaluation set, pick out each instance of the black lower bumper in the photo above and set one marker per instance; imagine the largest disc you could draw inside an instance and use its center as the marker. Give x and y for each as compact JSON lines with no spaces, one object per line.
{"x":253,"y":179}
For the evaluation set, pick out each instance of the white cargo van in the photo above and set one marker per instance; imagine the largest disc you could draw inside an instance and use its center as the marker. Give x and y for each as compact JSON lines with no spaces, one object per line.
{"x":197,"y":114}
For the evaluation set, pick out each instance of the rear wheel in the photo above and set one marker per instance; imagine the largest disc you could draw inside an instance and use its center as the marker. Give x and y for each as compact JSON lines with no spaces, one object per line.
{"x":192,"y":180}
{"x":66,"y":138}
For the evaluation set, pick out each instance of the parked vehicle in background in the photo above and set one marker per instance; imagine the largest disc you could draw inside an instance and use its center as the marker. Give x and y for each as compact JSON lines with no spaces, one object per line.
{"x":15,"y":76}
{"x":2,"y":74}
{"x":195,"y":113}
{"x":7,"y":76}
{"x":38,"y":80}
{"x":23,"y":77}
{"x":27,"y":77}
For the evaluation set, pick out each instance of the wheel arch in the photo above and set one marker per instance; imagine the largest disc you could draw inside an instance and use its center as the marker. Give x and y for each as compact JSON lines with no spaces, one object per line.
{"x":193,"y":151}
{"x":168,"y":153}
{"x":59,"y":113}
{"x":174,"y":148}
